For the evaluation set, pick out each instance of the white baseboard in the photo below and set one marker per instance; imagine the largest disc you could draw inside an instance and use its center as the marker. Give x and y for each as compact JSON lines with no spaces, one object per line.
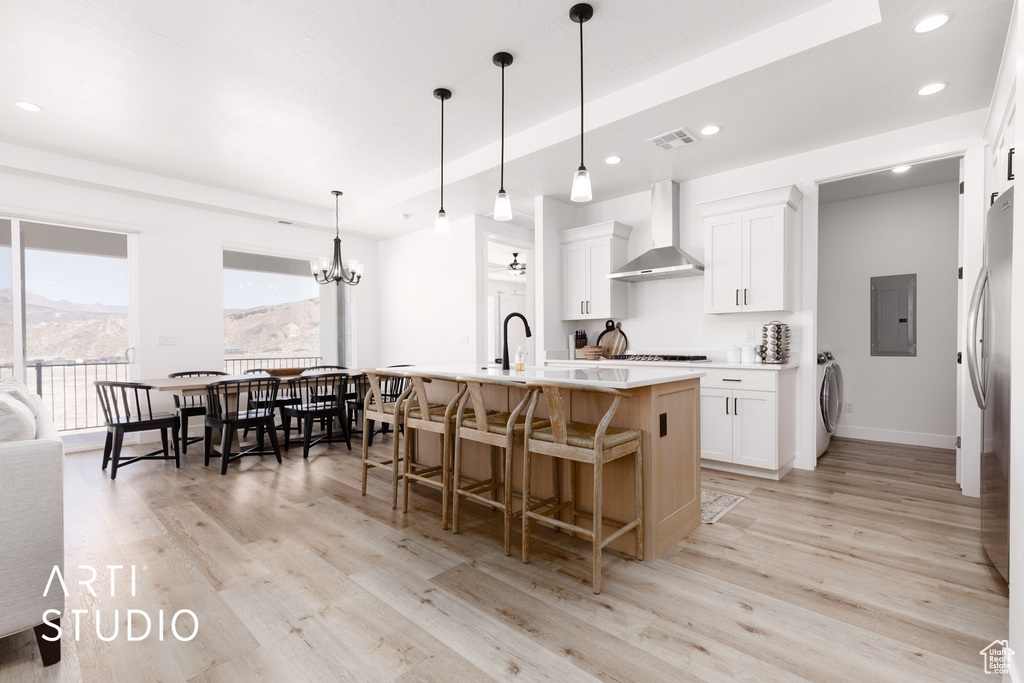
{"x":893,"y":436}
{"x":745,"y":469}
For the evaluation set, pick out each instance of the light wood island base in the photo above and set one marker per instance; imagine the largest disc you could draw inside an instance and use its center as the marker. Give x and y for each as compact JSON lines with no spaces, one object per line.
{"x":671,"y":460}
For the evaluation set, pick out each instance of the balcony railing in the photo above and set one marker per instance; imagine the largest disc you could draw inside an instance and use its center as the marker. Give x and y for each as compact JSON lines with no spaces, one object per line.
{"x":68,"y":391}
{"x":236,"y":366}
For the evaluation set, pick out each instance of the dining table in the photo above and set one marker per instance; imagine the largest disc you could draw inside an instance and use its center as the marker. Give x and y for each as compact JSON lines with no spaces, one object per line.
{"x":196,"y":386}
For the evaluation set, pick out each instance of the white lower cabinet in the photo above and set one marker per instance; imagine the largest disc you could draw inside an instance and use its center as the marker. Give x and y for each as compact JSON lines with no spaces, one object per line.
{"x":754,"y":429}
{"x":744,"y":427}
{"x":739,"y":427}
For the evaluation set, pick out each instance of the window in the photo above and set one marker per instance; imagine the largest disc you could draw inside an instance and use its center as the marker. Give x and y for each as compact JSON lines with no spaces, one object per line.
{"x":76,"y":304}
{"x":271,"y":312}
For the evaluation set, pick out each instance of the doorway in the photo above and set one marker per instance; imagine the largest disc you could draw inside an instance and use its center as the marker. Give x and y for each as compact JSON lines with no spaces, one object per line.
{"x":510,"y":280}
{"x":901,"y":383}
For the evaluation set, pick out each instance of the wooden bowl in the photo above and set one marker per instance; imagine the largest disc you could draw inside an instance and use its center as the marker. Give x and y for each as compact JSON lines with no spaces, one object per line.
{"x":592,"y":352}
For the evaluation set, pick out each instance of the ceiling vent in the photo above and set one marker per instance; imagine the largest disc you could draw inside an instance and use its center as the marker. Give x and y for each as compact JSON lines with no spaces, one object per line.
{"x":679,"y":137}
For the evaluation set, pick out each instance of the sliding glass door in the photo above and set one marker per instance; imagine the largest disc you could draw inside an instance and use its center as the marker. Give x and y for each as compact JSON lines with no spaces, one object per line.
{"x":68,"y":315}
{"x":6,"y":302}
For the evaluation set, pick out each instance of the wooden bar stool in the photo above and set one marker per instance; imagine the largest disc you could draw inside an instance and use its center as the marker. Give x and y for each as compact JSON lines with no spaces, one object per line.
{"x":436,"y":418}
{"x":499,"y":430}
{"x":578,"y":442}
{"x":377,"y":409}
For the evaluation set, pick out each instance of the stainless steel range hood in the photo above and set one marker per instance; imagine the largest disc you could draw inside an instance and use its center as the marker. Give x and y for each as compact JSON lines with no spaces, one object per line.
{"x":665,"y":259}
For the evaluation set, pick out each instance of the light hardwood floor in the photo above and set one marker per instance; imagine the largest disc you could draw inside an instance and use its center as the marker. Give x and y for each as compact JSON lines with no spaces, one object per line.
{"x":868,"y":569}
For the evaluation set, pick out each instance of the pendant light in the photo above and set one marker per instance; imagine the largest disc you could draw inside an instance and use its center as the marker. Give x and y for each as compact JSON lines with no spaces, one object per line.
{"x":581,"y":191}
{"x":441,"y":226}
{"x":325,"y":270}
{"x":502,"y":205}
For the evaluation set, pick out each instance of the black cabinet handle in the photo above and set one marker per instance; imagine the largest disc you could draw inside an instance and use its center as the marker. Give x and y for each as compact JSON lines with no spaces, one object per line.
{"x":726,"y":379}
{"x":744,"y":297}
{"x":581,"y":308}
{"x":1009,"y":164}
{"x":726,"y":405}
{"x":588,"y":307}
{"x":735,"y":406}
{"x":737,"y":297}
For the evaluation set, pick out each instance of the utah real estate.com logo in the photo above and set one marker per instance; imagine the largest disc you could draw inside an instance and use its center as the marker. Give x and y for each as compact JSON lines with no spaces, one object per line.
{"x":997,"y":657}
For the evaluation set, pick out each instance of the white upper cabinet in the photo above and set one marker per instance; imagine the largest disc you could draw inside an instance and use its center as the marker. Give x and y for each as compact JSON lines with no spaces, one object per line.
{"x":589,"y":255}
{"x":748,"y":251}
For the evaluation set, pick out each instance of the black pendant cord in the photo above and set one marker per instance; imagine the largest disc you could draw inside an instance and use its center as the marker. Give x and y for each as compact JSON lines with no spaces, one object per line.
{"x":581,"y":95}
{"x":442,"y":154}
{"x":502,"y":183}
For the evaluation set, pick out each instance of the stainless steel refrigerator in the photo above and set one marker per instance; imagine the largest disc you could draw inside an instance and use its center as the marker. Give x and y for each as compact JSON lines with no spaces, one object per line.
{"x":988,"y":363}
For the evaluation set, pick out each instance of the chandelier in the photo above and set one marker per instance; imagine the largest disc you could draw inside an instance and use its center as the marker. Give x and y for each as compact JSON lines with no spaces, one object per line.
{"x":325,"y":270}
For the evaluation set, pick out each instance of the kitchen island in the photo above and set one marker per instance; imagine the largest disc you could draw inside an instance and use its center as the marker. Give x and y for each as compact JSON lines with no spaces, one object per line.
{"x":664,"y":405}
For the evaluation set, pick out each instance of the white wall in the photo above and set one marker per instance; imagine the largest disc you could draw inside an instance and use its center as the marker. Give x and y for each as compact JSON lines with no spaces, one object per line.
{"x":897,"y":399}
{"x":429,"y":297}
{"x":179,"y":264}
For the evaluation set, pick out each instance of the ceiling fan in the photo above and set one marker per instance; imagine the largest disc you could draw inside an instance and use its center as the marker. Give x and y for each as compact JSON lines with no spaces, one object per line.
{"x":516,"y":268}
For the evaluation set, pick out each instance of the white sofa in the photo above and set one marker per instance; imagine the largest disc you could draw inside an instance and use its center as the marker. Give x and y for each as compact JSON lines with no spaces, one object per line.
{"x":31,"y":522}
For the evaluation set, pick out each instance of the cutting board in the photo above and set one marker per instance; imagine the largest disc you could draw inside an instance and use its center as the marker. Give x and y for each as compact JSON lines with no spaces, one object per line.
{"x":613,"y":340}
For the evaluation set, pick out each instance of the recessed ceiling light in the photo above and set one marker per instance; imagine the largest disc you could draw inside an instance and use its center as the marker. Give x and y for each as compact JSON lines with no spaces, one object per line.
{"x":709,"y":130}
{"x":931,"y":23}
{"x":613,"y":159}
{"x":901,"y":169}
{"x":27,"y":106}
{"x":931,"y":89}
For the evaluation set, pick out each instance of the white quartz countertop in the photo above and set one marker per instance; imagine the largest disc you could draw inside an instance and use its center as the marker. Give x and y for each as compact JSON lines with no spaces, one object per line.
{"x":592,"y":375}
{"x":698,"y":365}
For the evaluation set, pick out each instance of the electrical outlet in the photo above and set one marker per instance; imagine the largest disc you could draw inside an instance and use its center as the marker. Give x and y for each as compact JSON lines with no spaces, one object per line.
{"x":751,"y":335}
{"x":166,"y":340}
{"x":849,"y":407}
{"x":464,"y":340}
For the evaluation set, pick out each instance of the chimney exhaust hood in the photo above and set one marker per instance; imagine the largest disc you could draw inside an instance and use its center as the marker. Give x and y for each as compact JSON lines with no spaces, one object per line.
{"x":665,"y":259}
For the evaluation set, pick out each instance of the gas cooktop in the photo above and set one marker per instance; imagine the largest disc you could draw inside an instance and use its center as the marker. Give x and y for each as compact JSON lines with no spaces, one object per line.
{"x":687,"y":359}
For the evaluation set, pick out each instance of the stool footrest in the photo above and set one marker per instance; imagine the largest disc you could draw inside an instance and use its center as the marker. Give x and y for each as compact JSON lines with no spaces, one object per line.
{"x":613,"y":536}
{"x":382,"y":463}
{"x":426,"y":475}
{"x":483,"y":485}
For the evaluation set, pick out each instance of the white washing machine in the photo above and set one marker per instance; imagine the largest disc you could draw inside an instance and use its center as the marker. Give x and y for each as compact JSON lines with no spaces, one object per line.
{"x":830,"y":399}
